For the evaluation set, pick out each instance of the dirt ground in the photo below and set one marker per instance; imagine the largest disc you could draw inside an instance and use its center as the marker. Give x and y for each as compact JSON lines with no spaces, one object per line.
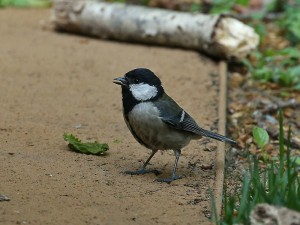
{"x":54,"y":83}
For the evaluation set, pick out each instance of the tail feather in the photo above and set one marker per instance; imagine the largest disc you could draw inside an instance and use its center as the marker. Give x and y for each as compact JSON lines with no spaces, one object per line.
{"x":218,"y":137}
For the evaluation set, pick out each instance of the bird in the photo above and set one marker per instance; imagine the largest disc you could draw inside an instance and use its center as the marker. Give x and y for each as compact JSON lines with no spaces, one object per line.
{"x":156,"y":121}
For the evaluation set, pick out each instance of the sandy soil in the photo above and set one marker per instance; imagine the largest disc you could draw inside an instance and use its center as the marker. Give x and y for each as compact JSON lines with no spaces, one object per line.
{"x":53,"y":83}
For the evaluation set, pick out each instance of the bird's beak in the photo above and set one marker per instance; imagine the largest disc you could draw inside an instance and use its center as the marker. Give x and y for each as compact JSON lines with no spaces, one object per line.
{"x":121,"y":81}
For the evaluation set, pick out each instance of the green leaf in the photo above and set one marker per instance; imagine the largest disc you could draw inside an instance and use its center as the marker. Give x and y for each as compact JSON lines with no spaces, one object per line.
{"x":94,"y":148}
{"x":296,"y":159}
{"x":221,"y":6}
{"x":297,"y":87}
{"x":257,"y":15}
{"x":260,"y":136}
{"x":290,"y":52}
{"x":195,"y":7}
{"x":295,"y":71}
{"x":242,"y":2}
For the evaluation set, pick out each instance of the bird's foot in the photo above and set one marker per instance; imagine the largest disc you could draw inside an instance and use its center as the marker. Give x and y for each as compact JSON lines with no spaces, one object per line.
{"x":142,"y":171}
{"x":170,"y":179}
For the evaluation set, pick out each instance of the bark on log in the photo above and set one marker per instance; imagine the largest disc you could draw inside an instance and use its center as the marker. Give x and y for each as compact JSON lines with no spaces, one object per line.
{"x":217,"y":35}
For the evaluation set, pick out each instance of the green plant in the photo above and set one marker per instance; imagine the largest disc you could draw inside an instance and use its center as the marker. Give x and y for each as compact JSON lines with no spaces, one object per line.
{"x":290,"y":21}
{"x":279,"y":66}
{"x":261,"y":138}
{"x":225,"y":6}
{"x":277,"y":184}
{"x":4,"y":3}
{"x":272,"y":64}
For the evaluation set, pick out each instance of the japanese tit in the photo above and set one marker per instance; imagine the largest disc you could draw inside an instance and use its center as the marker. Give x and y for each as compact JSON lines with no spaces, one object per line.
{"x":155,"y":120}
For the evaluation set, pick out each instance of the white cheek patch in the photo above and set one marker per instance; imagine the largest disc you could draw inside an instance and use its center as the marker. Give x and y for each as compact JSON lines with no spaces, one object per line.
{"x":143,"y":92}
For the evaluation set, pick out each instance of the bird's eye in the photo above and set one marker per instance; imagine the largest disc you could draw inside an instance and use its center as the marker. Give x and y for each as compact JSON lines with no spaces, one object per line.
{"x":136,"y":80}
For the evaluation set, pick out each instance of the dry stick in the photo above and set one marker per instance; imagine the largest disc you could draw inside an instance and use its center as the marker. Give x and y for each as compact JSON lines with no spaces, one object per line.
{"x":217,"y":35}
{"x":220,"y":154}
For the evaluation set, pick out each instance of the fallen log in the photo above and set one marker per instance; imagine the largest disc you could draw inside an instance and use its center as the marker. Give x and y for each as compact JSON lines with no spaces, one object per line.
{"x":217,"y":35}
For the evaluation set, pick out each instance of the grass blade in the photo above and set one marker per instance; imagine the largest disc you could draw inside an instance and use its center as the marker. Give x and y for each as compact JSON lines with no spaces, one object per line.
{"x":214,"y":208}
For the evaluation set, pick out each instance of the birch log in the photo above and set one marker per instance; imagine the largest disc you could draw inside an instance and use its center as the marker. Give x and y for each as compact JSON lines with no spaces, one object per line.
{"x":217,"y":35}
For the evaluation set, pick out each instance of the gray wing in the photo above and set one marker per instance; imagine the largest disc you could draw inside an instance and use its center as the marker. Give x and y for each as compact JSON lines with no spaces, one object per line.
{"x":174,"y":116}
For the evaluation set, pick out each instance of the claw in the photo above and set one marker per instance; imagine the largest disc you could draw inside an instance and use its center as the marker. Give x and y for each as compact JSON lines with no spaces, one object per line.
{"x":170,"y":179}
{"x":174,"y":176}
{"x":142,"y":171}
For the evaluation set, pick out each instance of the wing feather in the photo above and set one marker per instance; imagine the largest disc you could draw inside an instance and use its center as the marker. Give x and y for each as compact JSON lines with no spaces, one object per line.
{"x":174,"y":116}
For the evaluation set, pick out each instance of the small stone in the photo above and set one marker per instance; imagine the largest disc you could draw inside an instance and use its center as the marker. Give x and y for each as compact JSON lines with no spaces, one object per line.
{"x":4,"y":198}
{"x":265,"y":214}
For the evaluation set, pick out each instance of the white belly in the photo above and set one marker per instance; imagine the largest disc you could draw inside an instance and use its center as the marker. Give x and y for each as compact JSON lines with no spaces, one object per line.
{"x":146,"y":124}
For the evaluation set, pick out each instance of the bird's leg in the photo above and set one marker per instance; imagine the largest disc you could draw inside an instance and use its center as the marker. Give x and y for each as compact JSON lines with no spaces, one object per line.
{"x":174,"y":176}
{"x":143,"y":170}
